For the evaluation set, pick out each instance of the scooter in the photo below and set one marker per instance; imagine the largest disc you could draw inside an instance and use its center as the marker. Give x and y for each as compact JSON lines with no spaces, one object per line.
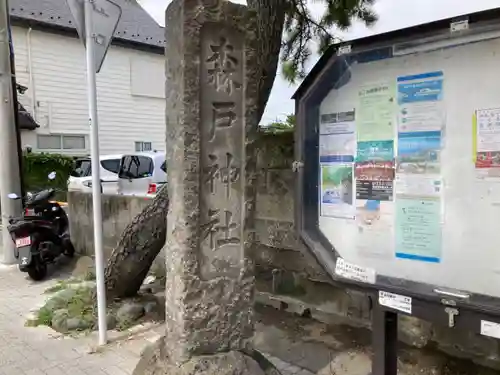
{"x":41,"y":235}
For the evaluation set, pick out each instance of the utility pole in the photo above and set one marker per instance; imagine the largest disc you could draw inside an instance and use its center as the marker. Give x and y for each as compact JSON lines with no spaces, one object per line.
{"x":9,"y":160}
{"x":16,"y":112}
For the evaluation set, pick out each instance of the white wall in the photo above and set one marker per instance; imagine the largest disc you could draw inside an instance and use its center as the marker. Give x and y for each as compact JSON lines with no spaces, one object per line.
{"x":127,"y":113}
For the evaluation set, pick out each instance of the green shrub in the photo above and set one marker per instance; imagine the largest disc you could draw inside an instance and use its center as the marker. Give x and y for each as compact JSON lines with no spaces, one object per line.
{"x":37,"y":166}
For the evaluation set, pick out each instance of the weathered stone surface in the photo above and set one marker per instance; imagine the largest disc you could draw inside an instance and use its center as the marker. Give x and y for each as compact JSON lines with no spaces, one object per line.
{"x":129,"y":312}
{"x":414,"y":332}
{"x":280,"y":234}
{"x":77,"y":324}
{"x":111,"y":321}
{"x":349,"y":363}
{"x":211,"y":180}
{"x":154,"y":361}
{"x":462,"y":344}
{"x":231,"y":363}
{"x":59,"y":320}
{"x":117,"y":211}
{"x":60,"y":299}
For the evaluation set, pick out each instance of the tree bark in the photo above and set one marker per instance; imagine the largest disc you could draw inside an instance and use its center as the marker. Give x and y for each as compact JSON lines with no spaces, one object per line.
{"x":139,"y":244}
{"x":144,"y":238}
{"x":270,"y":21}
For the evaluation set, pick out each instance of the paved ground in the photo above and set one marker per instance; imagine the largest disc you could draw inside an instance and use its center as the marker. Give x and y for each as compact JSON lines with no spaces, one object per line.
{"x":41,"y":351}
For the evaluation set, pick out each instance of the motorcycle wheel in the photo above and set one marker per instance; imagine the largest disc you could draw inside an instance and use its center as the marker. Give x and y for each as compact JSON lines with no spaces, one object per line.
{"x":37,"y":270}
{"x":70,"y":250}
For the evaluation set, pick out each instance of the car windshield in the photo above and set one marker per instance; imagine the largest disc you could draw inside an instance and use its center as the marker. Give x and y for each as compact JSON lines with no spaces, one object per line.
{"x":82,"y":168}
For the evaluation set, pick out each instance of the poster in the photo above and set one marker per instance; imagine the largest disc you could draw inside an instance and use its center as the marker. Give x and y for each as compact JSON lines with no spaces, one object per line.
{"x":374,"y":190}
{"x":418,"y":229}
{"x":375,"y":151}
{"x":420,"y":102}
{"x":375,"y":223}
{"x":487,"y":138}
{"x":418,"y":185}
{"x":419,"y":152}
{"x":421,"y":119}
{"x":337,"y":190}
{"x":376,"y":112}
{"x":337,"y":139}
{"x":375,"y":171}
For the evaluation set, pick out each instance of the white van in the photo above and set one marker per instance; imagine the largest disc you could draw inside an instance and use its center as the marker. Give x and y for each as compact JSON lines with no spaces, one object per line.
{"x":142,"y":173}
{"x":80,"y":178}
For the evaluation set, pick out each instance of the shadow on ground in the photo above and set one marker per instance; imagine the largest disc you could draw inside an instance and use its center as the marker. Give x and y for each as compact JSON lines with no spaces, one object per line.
{"x":343,"y":350}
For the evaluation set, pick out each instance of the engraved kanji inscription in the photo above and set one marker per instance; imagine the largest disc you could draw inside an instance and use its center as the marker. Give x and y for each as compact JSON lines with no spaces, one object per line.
{"x":222,"y":66}
{"x":226,"y":173}
{"x":223,"y":117}
{"x":220,"y":229}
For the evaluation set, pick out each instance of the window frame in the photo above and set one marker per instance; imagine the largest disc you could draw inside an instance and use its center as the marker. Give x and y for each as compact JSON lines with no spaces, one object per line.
{"x":126,"y":163}
{"x":118,"y":166}
{"x":139,"y":146}
{"x":61,"y":142}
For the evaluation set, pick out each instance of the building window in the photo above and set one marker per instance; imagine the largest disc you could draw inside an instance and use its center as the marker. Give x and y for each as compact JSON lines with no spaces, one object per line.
{"x":61,"y":142}
{"x":143,"y":146}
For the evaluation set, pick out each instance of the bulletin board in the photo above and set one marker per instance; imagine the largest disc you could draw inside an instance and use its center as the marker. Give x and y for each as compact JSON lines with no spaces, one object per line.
{"x":409,"y":166}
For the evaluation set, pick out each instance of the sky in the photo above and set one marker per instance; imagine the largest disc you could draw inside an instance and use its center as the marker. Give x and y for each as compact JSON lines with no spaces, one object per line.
{"x":393,"y":14}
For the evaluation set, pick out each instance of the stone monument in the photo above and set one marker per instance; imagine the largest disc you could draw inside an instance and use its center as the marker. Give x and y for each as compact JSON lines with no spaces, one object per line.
{"x":211,"y":180}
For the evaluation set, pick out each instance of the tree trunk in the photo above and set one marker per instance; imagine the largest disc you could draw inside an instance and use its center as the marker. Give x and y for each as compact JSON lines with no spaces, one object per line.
{"x":140,"y":243}
{"x":270,"y":21}
{"x":144,"y":238}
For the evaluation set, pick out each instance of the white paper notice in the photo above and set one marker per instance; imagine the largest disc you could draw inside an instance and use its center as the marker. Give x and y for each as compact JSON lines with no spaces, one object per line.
{"x":375,"y":231}
{"x":337,"y":137}
{"x":490,"y":329}
{"x":395,"y":301}
{"x":419,"y":117}
{"x":418,"y":185}
{"x":354,"y":272}
{"x":488,"y":130}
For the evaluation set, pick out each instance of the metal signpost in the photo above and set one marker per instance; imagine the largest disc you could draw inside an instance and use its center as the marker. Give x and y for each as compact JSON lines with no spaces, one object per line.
{"x":96,"y":22}
{"x":397,"y":158}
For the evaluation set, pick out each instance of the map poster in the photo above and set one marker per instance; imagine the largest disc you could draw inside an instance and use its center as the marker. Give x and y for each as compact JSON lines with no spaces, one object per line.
{"x":337,"y":190}
{"x":418,"y":229}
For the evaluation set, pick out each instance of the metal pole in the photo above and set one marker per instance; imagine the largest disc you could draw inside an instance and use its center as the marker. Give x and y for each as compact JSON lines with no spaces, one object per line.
{"x":9,"y":162}
{"x":384,"y":341}
{"x":94,"y":155}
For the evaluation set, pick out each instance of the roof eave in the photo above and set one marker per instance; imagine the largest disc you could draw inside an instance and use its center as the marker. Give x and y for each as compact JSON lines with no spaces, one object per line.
{"x":71,"y":32}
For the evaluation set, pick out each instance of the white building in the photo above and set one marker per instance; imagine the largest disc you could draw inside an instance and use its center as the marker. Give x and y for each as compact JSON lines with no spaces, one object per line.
{"x":50,"y":62}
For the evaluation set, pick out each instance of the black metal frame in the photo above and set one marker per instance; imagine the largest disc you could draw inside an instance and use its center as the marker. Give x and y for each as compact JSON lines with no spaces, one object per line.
{"x":427,"y":304}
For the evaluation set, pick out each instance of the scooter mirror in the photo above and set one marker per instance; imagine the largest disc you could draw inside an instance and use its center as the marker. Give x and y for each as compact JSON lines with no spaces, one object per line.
{"x":12,"y":196}
{"x":52,"y":175}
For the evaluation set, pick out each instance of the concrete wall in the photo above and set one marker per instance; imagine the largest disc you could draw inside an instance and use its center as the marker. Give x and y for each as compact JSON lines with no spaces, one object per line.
{"x":288,"y":277}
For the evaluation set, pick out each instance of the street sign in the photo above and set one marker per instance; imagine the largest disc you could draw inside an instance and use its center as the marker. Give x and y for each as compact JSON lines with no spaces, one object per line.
{"x":105,"y":18}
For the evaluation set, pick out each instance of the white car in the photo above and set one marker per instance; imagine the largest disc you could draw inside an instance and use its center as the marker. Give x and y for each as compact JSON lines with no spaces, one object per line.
{"x":142,"y":173}
{"x":81,"y":177}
